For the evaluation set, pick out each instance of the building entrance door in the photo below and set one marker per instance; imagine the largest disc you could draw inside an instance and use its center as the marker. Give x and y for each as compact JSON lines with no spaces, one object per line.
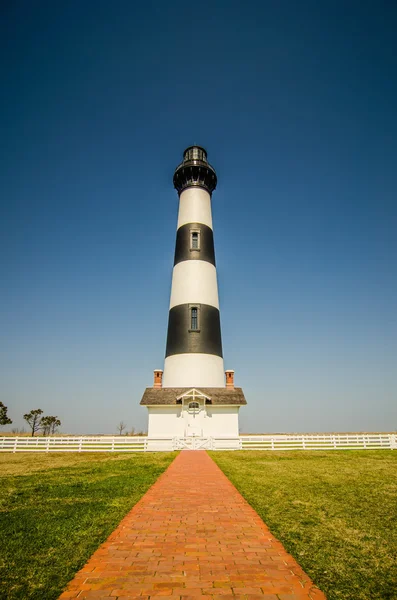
{"x":193,"y":425}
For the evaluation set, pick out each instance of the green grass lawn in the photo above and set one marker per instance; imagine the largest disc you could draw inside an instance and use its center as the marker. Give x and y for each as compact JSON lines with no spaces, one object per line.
{"x":335,"y":512}
{"x":56,"y":509}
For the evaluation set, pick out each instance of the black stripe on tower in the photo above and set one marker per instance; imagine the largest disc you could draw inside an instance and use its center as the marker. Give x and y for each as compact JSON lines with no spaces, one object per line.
{"x":194,"y":241}
{"x":197,"y":332}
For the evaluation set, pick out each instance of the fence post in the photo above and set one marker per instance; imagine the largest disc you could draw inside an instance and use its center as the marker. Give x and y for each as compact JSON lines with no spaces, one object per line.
{"x":393,"y":442}
{"x":272,"y":443}
{"x":112,"y":444}
{"x":80,"y":444}
{"x":15,"y":445}
{"x":47,"y":448}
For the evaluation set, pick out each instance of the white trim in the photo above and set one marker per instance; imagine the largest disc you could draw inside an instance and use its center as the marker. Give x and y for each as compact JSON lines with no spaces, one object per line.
{"x":193,"y":393}
{"x":162,"y":405}
{"x":211,"y":404}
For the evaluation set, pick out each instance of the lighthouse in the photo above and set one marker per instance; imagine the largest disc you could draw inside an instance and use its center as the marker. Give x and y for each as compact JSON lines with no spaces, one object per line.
{"x":193,"y":354}
{"x":193,"y":395}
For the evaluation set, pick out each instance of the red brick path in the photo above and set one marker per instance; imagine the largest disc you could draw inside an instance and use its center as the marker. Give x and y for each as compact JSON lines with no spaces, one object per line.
{"x":192,"y":536}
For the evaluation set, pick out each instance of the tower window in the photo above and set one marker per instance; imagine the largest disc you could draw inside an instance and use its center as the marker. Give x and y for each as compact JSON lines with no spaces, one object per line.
{"x":194,"y":239}
{"x":194,"y":318}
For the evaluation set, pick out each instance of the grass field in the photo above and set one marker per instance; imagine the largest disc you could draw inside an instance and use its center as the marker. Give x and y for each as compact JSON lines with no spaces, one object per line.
{"x":56,"y":509}
{"x":335,"y":512}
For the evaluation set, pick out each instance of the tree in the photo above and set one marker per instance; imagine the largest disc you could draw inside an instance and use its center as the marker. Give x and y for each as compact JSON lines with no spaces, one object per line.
{"x":49,"y":424}
{"x":4,"y":419}
{"x":33,"y":418}
{"x":120,"y":427}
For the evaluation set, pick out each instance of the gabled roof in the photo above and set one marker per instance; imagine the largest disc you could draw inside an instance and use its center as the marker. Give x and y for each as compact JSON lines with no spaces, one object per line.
{"x":196,"y":392}
{"x":170,"y":396}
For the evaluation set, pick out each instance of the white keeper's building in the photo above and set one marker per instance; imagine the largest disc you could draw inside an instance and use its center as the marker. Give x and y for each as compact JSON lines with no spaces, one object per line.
{"x":194,"y":396}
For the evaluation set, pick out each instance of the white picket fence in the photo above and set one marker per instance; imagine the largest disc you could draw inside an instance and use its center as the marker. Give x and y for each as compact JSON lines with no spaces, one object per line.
{"x":348,"y":441}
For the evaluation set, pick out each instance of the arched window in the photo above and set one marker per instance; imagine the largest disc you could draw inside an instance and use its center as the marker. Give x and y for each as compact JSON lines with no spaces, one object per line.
{"x":195,"y":239}
{"x":193,"y":408}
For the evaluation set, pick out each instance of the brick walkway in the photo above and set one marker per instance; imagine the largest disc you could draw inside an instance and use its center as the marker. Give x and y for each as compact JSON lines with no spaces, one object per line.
{"x":192,"y":535}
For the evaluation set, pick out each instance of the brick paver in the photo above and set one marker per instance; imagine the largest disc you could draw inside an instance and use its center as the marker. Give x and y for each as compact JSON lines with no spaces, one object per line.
{"x":192,"y":536}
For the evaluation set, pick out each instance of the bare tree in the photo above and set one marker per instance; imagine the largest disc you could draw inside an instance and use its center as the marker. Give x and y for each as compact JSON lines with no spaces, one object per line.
{"x":120,"y":427}
{"x":33,"y":418}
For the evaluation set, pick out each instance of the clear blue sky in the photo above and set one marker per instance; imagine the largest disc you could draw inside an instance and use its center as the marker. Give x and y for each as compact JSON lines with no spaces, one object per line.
{"x":296,"y":103}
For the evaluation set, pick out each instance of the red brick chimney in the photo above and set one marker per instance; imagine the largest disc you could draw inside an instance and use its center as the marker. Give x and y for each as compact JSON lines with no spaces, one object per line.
{"x":158,"y":378}
{"x":229,"y":380}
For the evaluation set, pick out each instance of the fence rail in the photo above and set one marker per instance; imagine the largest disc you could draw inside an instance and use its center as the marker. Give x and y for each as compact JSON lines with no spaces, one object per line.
{"x":348,"y":441}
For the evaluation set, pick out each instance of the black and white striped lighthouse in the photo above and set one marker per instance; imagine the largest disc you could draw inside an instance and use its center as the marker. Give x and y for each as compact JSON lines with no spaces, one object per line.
{"x":193,"y":355}
{"x":191,"y":397}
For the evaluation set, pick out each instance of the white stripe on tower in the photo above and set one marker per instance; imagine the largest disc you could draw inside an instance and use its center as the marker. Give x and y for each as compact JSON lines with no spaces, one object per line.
{"x":194,"y":207}
{"x":194,"y":345}
{"x":193,"y":371}
{"x":194,"y":281}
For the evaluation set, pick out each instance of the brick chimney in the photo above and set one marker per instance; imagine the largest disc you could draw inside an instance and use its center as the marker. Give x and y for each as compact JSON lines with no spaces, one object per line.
{"x":229,"y":380}
{"x":158,"y":378}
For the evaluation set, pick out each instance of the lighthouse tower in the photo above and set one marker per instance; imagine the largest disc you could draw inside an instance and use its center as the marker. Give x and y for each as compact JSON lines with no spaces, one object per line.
{"x":193,"y":354}
{"x":191,"y":397}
